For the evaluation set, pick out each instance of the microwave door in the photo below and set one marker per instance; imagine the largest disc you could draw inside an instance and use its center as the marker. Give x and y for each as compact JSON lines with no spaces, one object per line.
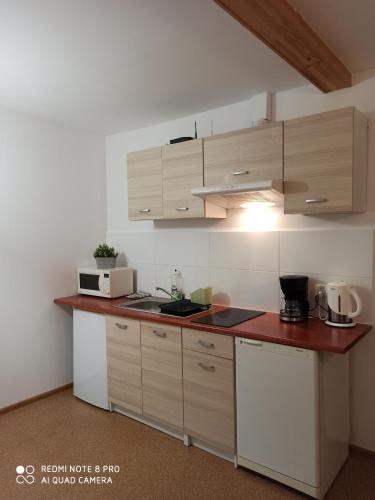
{"x":89,"y":282}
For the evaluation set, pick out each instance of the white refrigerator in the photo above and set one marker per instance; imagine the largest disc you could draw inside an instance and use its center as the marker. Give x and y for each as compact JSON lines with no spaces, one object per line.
{"x":278,"y":412}
{"x":90,"y":358}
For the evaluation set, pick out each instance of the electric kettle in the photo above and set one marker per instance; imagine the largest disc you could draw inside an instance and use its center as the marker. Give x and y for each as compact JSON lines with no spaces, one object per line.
{"x":340,"y":306}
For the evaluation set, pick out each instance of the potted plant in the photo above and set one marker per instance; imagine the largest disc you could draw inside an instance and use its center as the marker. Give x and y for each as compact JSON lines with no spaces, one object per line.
{"x":105,"y":256}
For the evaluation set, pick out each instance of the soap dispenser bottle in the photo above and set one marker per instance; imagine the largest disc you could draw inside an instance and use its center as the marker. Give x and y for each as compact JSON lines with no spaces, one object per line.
{"x":176,"y":288}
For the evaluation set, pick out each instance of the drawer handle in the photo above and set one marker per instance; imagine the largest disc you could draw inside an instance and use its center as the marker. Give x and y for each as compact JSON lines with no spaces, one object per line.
{"x":204,"y":343}
{"x":159,"y":334}
{"x":241,"y":172}
{"x":144,"y":211}
{"x":254,"y":343}
{"x":316,"y":200}
{"x":182,"y":209}
{"x":209,"y":368}
{"x":122,"y":327}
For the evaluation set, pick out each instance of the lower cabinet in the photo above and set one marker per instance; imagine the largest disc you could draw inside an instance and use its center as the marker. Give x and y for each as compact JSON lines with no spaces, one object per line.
{"x":209,"y":388}
{"x":162,"y":373}
{"x":124,"y":363}
{"x":182,"y":379}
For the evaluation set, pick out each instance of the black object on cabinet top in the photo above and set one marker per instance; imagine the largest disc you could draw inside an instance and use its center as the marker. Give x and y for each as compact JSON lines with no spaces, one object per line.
{"x":228,"y":317}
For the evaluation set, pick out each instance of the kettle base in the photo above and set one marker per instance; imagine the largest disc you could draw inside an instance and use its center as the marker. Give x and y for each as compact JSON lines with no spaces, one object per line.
{"x":340,"y":325}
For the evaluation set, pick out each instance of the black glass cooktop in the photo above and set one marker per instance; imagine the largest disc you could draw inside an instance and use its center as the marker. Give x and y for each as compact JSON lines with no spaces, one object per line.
{"x":228,"y":317}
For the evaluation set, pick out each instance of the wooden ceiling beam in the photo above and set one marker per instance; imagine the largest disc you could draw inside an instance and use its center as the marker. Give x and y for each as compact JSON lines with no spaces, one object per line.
{"x":285,"y":31}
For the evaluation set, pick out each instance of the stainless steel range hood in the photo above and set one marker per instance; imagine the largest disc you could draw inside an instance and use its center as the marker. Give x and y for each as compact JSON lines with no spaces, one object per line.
{"x":237,"y":196}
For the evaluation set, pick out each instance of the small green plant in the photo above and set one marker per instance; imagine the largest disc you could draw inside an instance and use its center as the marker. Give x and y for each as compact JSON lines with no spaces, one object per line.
{"x":104,"y":250}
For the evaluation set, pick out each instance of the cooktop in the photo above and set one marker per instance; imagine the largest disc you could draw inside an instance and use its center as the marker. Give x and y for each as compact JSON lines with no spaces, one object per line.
{"x":228,"y":317}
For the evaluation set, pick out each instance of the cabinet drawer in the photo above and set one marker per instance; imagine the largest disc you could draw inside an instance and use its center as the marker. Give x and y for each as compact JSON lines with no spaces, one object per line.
{"x":209,"y":343}
{"x":209,"y":399}
{"x":124,"y":363}
{"x":160,"y":336}
{"x":247,"y":155}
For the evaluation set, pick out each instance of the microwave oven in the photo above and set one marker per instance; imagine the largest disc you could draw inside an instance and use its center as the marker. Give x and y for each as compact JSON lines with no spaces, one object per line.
{"x":109,"y":283}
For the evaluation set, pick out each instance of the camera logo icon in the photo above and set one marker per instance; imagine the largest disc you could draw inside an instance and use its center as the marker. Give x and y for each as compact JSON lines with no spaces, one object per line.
{"x":25,"y":474}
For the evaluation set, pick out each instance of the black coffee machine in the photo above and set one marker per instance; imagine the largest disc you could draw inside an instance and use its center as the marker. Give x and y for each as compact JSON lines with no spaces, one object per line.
{"x":295,"y":305}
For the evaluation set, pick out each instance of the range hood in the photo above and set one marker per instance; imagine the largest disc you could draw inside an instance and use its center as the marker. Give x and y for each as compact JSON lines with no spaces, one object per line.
{"x":237,"y":196}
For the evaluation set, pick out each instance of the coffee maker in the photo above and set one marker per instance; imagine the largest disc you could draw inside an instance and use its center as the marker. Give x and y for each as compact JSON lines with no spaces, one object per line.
{"x":295,"y":306}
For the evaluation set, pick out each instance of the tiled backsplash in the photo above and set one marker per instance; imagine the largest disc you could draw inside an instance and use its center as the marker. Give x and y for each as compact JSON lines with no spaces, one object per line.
{"x":243,"y":268}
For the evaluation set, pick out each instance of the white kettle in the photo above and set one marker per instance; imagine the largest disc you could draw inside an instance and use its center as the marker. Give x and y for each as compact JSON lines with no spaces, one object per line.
{"x":340,"y":305}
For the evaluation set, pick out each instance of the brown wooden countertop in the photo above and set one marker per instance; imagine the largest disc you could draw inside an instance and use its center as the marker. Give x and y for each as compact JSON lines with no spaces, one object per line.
{"x":311,"y":334}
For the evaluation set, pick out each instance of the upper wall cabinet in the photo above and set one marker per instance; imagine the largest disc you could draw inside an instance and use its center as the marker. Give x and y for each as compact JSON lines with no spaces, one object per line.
{"x":247,"y":155}
{"x":182,"y":166}
{"x":145,"y":198}
{"x":325,"y":163}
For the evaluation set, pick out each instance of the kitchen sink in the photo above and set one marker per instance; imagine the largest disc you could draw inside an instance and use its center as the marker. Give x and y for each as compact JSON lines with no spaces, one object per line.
{"x":153,"y":305}
{"x":150,"y":305}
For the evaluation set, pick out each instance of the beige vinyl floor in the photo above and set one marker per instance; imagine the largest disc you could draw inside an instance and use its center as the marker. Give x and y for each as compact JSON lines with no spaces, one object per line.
{"x":63,"y":431}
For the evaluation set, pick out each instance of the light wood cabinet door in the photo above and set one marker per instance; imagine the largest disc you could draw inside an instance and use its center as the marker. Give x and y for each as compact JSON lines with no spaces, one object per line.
{"x":162,"y":373}
{"x":247,"y":155}
{"x":145,"y":191}
{"x":124,"y":363}
{"x":182,"y":165}
{"x":209,"y":399}
{"x":325,"y":163}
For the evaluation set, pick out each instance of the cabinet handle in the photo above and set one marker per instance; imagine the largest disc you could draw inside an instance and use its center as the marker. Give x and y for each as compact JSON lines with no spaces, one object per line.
{"x":254,"y":343}
{"x":182,"y":209}
{"x":209,"y":368}
{"x":159,"y":334}
{"x":122,"y":327}
{"x":144,"y":211}
{"x":316,"y":200}
{"x":241,"y":172}
{"x":209,"y":345}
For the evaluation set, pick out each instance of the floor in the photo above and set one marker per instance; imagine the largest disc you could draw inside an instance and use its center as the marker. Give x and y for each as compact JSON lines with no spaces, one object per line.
{"x":61,"y":430}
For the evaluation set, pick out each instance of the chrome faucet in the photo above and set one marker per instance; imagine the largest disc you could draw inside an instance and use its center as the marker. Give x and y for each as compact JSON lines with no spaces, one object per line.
{"x":175,"y":295}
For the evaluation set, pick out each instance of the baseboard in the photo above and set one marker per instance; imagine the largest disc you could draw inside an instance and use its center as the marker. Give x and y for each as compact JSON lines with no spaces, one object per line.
{"x":27,"y":401}
{"x":362,"y":451}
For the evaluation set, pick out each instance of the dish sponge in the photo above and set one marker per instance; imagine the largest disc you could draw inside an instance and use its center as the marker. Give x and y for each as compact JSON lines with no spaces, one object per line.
{"x":202,"y":296}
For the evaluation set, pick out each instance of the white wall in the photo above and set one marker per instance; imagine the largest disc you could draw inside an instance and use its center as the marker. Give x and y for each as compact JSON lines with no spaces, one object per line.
{"x":52,"y":214}
{"x":194,"y":246}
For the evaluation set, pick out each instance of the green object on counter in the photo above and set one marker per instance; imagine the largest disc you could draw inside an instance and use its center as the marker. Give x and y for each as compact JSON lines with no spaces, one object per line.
{"x":202,"y":296}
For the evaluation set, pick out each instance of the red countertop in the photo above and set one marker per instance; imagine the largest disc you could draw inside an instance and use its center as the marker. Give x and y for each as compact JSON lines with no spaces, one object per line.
{"x":311,"y":334}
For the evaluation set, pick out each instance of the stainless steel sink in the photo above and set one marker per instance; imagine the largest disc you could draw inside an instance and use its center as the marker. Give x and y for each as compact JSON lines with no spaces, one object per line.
{"x":150,"y":305}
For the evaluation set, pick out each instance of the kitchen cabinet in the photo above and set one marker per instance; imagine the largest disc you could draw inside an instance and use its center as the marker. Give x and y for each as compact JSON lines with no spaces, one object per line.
{"x":325,"y":163}
{"x":247,"y":155}
{"x":90,"y":358}
{"x":145,"y":190}
{"x":292,"y":413}
{"x":124,"y":363}
{"x":182,"y":167}
{"x":208,"y":383}
{"x":162,"y":374}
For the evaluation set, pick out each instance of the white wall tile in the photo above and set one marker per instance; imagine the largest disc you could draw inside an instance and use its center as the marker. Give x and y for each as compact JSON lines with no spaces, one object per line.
{"x":133,"y":247}
{"x":255,"y":251}
{"x":145,"y":278}
{"x":249,"y":289}
{"x":184,"y":248}
{"x":191,"y":278}
{"x":336,"y":252}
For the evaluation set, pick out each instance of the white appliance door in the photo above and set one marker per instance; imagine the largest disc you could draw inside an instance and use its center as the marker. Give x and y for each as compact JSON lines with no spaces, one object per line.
{"x":277,"y":408}
{"x":90,"y":358}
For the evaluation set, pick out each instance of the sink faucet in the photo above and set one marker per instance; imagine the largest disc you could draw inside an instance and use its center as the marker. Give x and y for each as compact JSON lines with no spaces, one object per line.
{"x":175,"y":295}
